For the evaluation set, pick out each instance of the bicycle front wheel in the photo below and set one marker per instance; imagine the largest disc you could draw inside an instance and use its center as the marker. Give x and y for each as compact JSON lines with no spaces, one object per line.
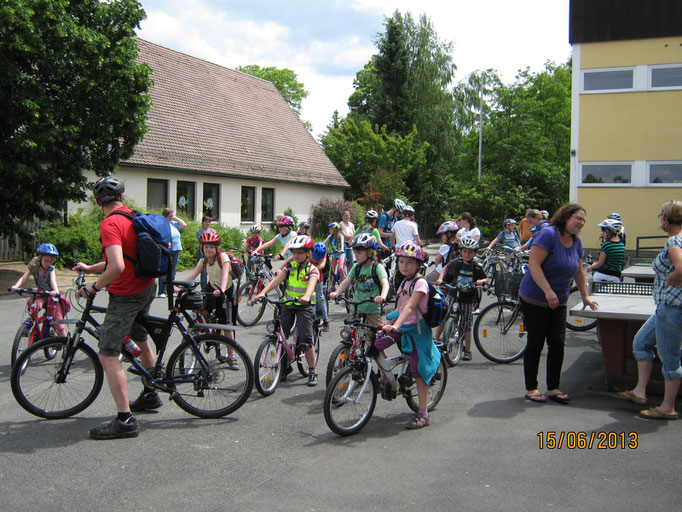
{"x":268,"y":366}
{"x":452,"y":339}
{"x":248,"y":312}
{"x":339,"y":358}
{"x":436,"y":389}
{"x":577,"y":323}
{"x":499,"y":332}
{"x":211,"y":378}
{"x":22,"y":340}
{"x":349,"y":403}
{"x":36,"y":384}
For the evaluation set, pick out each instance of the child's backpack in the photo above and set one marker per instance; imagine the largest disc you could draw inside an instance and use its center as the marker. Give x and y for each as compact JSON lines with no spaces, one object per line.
{"x":375,"y":275}
{"x":153,"y":244}
{"x":235,"y":264}
{"x":435,"y":308}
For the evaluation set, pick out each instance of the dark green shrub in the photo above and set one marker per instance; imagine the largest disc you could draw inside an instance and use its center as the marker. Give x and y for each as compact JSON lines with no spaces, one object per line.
{"x":327,"y":211}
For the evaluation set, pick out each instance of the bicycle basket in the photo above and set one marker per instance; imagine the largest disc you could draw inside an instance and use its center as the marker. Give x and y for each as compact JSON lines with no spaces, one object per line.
{"x":192,"y":301}
{"x":507,"y":284}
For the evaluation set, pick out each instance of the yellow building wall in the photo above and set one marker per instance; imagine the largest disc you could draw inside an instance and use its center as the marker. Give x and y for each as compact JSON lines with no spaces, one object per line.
{"x":639,"y":208}
{"x":631,"y":126}
{"x":662,"y":50}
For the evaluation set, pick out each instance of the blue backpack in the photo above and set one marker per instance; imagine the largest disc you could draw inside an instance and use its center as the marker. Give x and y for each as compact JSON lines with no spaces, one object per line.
{"x":153,"y":244}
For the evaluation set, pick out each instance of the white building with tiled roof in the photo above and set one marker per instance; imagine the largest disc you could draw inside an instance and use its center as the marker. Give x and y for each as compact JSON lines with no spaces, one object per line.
{"x":225,"y":144}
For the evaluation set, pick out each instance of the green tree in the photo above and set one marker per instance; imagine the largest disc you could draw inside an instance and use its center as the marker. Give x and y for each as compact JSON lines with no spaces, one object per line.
{"x":407,"y":85}
{"x":72,"y":98}
{"x":526,"y":146}
{"x":285,"y":80}
{"x":361,"y":153}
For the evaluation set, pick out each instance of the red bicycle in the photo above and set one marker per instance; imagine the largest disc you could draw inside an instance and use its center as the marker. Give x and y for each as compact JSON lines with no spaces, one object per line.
{"x":36,"y":326}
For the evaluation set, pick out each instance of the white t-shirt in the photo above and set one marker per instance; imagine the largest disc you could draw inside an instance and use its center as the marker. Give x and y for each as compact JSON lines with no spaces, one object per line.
{"x":405,"y":231}
{"x":443,"y":251}
{"x":464,"y":234}
{"x":347,"y":230}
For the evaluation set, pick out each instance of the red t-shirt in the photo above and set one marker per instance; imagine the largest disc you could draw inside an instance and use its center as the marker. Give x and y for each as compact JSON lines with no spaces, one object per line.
{"x":118,"y":230}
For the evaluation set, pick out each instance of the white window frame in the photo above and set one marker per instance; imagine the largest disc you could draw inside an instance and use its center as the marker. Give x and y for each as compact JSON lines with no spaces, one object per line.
{"x":650,"y":77}
{"x":610,"y":185}
{"x":583,"y":72}
{"x":660,"y":185}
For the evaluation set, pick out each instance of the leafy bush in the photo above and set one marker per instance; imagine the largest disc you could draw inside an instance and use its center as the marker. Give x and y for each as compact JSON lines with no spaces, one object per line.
{"x":232,"y":239}
{"x":79,"y":242}
{"x":327,"y":211}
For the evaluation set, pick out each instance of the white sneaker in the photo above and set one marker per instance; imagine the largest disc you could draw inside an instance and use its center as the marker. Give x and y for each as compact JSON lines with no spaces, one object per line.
{"x":162,"y":295}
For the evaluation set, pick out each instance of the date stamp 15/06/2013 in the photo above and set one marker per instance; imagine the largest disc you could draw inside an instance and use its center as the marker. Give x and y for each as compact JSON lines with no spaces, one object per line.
{"x":554,"y":440}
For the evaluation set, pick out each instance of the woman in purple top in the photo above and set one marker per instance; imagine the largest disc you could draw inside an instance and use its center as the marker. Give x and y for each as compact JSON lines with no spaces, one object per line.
{"x":555,"y":261}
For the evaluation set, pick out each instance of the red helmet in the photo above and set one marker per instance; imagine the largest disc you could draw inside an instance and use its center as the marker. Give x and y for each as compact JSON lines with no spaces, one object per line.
{"x":210,"y":238}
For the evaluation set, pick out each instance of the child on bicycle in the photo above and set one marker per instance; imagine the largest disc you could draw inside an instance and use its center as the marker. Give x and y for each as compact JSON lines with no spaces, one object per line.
{"x":219,"y":288}
{"x":447,"y":250}
{"x":304,"y":228}
{"x":610,"y":263}
{"x":337,"y":249}
{"x":301,"y":277}
{"x":254,"y":241}
{"x":467,"y":273}
{"x":41,"y":268}
{"x":285,"y":225}
{"x":370,"y":278}
{"x":416,"y":338}
{"x":508,"y":237}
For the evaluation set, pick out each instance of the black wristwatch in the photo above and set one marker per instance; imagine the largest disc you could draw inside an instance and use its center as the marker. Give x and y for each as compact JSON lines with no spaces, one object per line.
{"x":95,"y":288}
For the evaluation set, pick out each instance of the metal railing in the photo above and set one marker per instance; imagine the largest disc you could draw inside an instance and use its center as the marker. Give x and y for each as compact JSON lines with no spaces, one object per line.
{"x":640,"y":247}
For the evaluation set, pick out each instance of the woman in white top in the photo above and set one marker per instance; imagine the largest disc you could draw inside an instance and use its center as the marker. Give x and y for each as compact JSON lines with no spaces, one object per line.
{"x":467,"y":228}
{"x":347,"y":230}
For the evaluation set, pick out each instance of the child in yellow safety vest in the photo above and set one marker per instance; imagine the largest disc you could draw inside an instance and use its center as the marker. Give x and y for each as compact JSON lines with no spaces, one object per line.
{"x":300,"y":276}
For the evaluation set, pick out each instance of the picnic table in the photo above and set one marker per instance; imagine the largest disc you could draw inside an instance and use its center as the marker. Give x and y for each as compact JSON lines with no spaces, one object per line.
{"x":640,"y":273}
{"x":619,"y":317}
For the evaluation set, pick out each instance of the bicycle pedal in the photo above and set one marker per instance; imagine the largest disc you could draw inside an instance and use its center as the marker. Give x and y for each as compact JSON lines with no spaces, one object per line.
{"x":405,"y":381}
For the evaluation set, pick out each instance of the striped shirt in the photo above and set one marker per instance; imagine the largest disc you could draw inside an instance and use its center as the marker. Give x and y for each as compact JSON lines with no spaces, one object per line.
{"x":663,"y":266}
{"x":615,"y":253}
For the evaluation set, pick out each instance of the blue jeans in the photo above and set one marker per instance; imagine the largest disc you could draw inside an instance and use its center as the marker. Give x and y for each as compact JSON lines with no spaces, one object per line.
{"x":174,"y":256}
{"x":349,"y":257}
{"x":320,"y":304}
{"x":663,"y":331}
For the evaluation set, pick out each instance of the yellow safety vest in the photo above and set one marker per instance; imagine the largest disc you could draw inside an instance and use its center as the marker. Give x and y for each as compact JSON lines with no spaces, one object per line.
{"x":297,"y":281}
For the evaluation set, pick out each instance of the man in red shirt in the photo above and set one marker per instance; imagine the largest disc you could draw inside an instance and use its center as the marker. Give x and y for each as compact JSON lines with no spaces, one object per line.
{"x":128,"y":296}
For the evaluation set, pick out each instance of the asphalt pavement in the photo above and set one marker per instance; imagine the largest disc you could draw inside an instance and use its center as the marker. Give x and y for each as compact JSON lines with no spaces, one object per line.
{"x":481,"y":452}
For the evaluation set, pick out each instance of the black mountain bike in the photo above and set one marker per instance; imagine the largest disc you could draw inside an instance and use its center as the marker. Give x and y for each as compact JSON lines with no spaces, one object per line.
{"x":198,"y":376}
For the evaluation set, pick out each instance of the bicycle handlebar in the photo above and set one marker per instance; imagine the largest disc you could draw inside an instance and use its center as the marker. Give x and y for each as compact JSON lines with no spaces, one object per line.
{"x":29,"y":290}
{"x":353,"y":303}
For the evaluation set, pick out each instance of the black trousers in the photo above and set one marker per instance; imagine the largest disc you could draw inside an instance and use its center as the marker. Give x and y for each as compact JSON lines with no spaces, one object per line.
{"x":543,"y":324}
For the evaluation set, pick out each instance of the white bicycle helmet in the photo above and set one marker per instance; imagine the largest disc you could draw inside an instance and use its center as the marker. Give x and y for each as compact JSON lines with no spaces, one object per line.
{"x":612,"y":225}
{"x":614,"y":216}
{"x":469,"y":243}
{"x":408,"y":210}
{"x":507,"y":222}
{"x":372,"y":215}
{"x":302,"y":242}
{"x":399,"y":205}
{"x":364,"y":240}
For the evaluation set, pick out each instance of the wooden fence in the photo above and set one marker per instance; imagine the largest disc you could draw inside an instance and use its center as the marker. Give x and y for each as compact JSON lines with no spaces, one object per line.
{"x":11,"y":248}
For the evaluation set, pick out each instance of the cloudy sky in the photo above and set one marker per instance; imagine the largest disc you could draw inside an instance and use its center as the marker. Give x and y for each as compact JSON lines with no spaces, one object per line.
{"x":327,"y":41}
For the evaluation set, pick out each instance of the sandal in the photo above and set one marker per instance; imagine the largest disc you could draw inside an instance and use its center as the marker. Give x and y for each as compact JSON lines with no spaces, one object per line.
{"x":656,"y":414}
{"x":631,"y":397}
{"x":561,"y":398}
{"x":419,"y":421}
{"x":538,"y":398}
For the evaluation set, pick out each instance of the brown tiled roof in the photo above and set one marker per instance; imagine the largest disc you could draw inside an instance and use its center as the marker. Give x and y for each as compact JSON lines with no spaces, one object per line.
{"x":209,"y":119}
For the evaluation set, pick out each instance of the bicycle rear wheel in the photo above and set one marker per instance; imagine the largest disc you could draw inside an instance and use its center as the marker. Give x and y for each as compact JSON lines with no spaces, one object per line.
{"x":268,"y":366}
{"x":339,"y":358}
{"x":436,"y":389}
{"x":577,"y":323}
{"x":346,"y":409}
{"x":35,"y":379}
{"x":499,"y":332}
{"x":216,"y":389}
{"x":453,"y":340}
{"x":302,"y":362}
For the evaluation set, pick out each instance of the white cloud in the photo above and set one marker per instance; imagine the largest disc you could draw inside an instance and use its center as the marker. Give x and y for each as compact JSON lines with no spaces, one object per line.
{"x":486,"y":34}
